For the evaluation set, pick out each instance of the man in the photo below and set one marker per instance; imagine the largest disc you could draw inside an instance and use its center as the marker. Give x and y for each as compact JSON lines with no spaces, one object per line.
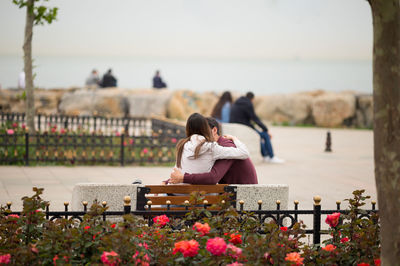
{"x":109,"y":80}
{"x":223,"y":171}
{"x":242,"y":112}
{"x":158,"y":83}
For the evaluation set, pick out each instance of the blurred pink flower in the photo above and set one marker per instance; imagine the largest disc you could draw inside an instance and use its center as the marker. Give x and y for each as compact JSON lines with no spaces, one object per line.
{"x":333,"y":219}
{"x":202,"y":228}
{"x":5,"y":259}
{"x":14,"y":125}
{"x":110,"y":258}
{"x":10,"y":131}
{"x":145,"y":150}
{"x":161,"y":220}
{"x":216,"y":246}
{"x":117,"y":134}
{"x":173,"y":140}
{"x":233,"y":251}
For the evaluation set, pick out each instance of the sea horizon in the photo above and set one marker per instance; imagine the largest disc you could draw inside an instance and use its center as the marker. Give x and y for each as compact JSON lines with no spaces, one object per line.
{"x":262,"y":76}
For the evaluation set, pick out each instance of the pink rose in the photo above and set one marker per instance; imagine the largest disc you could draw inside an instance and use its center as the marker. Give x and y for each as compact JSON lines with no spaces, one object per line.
{"x":216,"y":246}
{"x":333,"y":219}
{"x":5,"y":259}
{"x":10,"y":131}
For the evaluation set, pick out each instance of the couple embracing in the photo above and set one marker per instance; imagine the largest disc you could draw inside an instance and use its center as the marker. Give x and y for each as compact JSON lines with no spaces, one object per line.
{"x":205,"y":157}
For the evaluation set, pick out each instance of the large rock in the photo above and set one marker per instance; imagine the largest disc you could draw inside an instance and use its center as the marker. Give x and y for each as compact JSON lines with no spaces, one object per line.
{"x":46,"y":101}
{"x":104,"y":102}
{"x":331,"y":109}
{"x":148,"y":102}
{"x":285,"y":108}
{"x":11,"y":101}
{"x":183,"y":103}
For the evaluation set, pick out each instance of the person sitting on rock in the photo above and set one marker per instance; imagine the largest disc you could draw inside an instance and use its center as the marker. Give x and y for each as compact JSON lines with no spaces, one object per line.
{"x":93,"y":79}
{"x":109,"y":80}
{"x":224,"y":171}
{"x":242,"y":112}
{"x":158,"y":83}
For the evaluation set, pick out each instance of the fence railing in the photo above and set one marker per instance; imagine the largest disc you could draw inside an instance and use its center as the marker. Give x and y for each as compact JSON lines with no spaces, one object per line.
{"x":88,"y":149}
{"x":132,"y":126}
{"x":278,"y":216}
{"x":88,"y":140}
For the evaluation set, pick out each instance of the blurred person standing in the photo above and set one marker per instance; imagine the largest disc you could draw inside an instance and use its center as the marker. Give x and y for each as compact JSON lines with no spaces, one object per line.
{"x":158,"y":83}
{"x":242,"y":112}
{"x":222,"y":108}
{"x":21,"y":80}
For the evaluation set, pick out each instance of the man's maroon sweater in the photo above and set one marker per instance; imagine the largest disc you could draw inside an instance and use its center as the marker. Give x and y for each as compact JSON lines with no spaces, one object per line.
{"x":226,"y":171}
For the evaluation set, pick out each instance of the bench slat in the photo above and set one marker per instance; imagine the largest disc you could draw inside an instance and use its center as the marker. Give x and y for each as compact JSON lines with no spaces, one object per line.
{"x":179,"y":200}
{"x":186,"y":189}
{"x":181,"y":208}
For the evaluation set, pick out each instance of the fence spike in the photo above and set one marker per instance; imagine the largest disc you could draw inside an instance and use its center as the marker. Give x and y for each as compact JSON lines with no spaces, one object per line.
{"x":296,"y":202}
{"x":9,"y":203}
{"x":149,"y":202}
{"x":205,"y":202}
{"x":66,"y":203}
{"x":222,"y":201}
{"x":104,"y":203}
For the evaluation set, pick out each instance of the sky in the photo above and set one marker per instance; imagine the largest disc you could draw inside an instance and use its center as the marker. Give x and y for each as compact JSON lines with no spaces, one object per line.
{"x":252,"y":29}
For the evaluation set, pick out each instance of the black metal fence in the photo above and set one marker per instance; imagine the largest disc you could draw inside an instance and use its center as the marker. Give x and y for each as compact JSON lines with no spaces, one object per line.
{"x":132,"y":126}
{"x":281,"y":217}
{"x":138,"y":141}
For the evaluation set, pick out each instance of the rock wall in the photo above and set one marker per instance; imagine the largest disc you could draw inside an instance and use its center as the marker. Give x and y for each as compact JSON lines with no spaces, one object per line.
{"x":320,"y":108}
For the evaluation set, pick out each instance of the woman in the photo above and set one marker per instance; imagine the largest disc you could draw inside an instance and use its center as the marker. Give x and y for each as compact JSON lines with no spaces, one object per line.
{"x":222,"y":109}
{"x":198,"y":152}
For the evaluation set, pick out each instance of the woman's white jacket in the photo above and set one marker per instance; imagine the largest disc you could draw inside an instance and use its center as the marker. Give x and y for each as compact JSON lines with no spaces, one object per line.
{"x":209,"y":153}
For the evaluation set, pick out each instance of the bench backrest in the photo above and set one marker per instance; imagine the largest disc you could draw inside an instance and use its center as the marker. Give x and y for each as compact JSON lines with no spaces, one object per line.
{"x":178,"y":194}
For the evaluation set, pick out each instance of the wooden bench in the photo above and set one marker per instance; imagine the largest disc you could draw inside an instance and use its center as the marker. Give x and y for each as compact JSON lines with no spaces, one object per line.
{"x":175,"y":195}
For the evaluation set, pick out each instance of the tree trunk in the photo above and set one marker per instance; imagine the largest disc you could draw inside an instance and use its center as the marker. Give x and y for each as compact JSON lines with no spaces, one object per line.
{"x":386,"y":66}
{"x":30,"y":102}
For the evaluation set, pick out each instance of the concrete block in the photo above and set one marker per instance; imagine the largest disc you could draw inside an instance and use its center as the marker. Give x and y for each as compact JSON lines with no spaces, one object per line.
{"x":246,"y":135}
{"x":268,"y":193}
{"x":113,"y":194}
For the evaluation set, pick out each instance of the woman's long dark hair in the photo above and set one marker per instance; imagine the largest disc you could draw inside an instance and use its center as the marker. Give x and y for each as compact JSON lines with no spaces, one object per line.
{"x":196,"y":124}
{"x":225,"y":97}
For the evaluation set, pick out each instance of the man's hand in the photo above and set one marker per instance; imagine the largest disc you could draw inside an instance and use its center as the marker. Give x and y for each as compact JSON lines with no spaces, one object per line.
{"x":230,"y":137}
{"x":176,"y":176}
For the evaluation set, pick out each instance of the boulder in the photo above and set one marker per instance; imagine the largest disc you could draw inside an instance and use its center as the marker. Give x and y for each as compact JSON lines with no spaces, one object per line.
{"x":182,"y":104}
{"x":11,"y":101}
{"x":284,"y":108}
{"x":104,"y":102}
{"x":47,"y":101}
{"x":148,"y":102}
{"x":331,"y":109}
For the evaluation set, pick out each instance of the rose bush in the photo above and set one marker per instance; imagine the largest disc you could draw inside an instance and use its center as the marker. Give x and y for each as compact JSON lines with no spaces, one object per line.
{"x":201,"y":239}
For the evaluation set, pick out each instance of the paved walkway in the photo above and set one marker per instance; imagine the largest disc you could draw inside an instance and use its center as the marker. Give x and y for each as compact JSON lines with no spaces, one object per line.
{"x":308,"y":170}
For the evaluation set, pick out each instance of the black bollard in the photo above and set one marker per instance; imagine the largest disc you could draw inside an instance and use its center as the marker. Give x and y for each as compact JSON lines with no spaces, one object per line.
{"x":328,"y":142}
